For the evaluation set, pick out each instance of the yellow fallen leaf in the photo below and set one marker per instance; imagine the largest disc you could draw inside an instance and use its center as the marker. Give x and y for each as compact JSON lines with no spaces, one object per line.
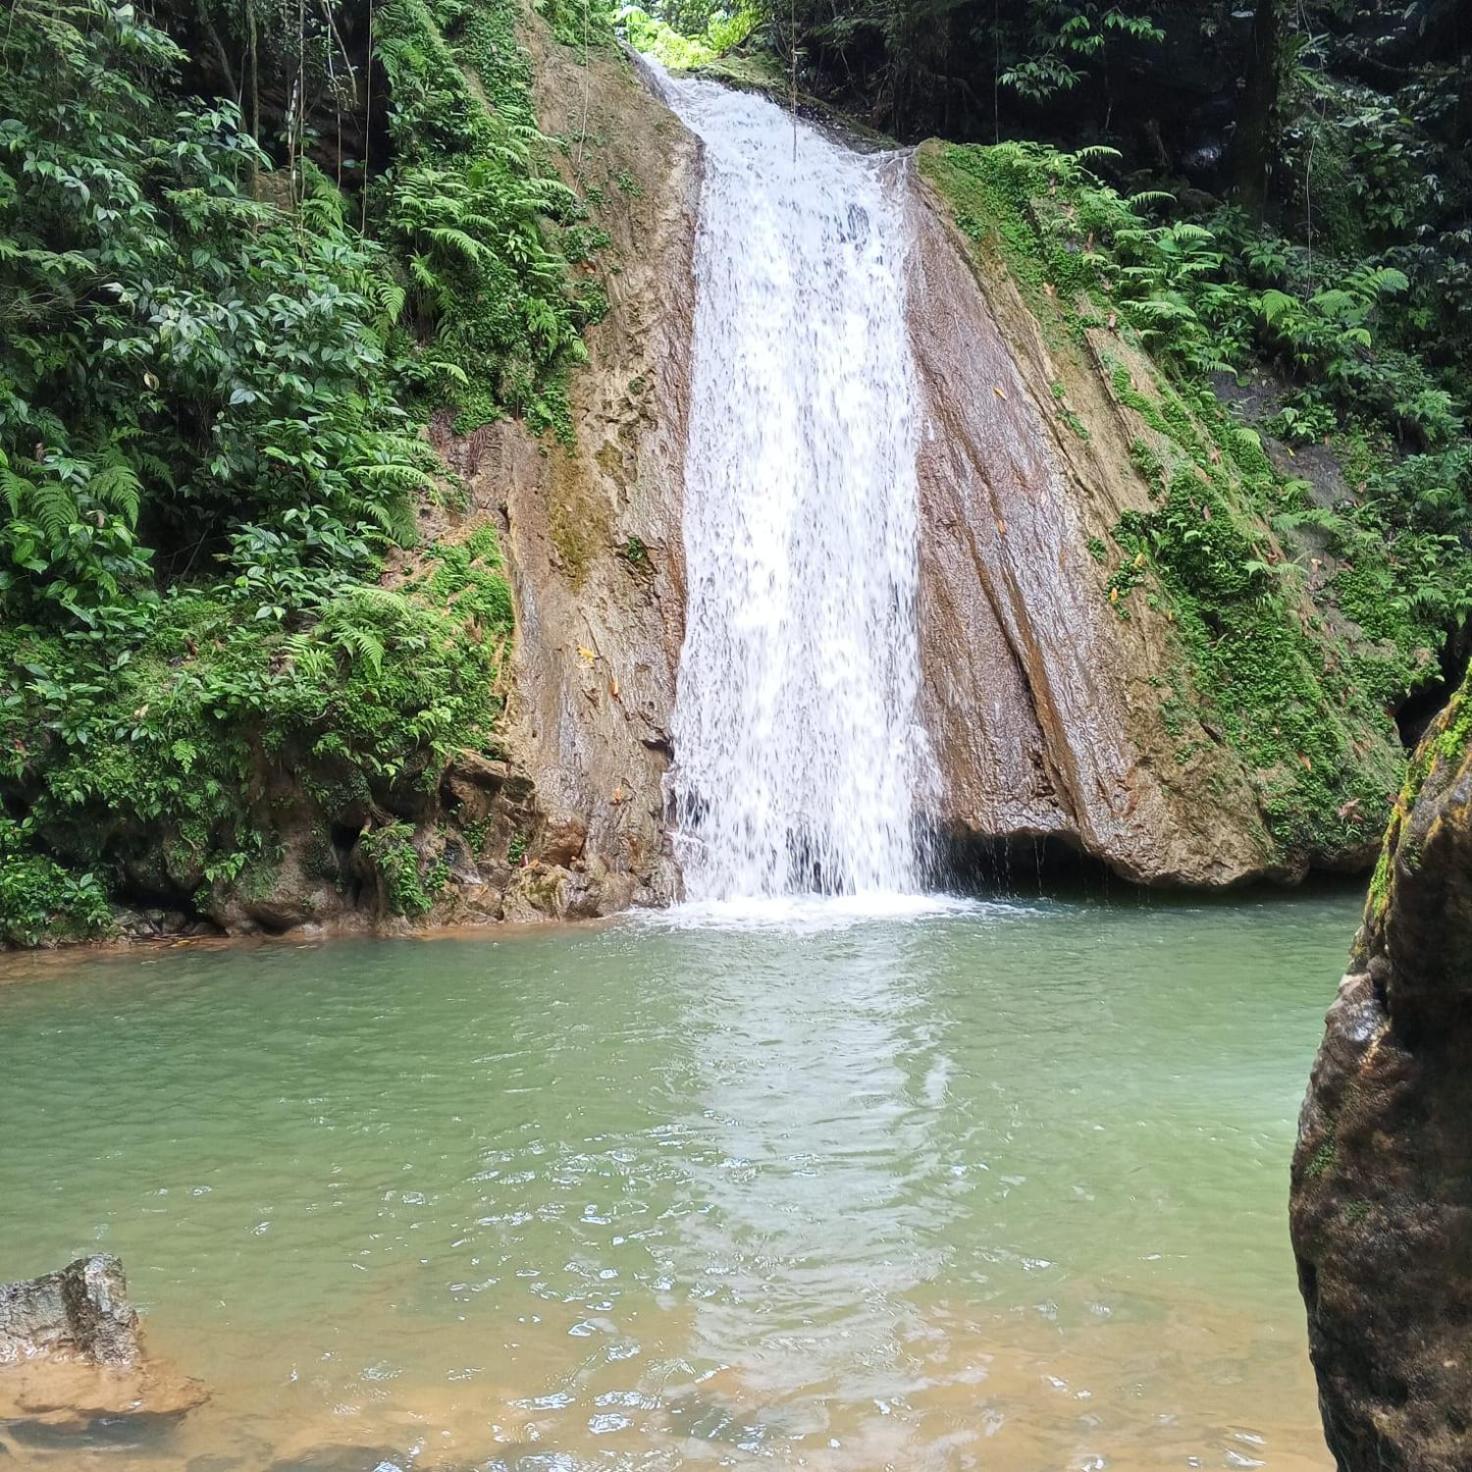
{"x":585,"y":653}
{"x":1114,"y":595}
{"x":999,"y":391}
{"x":1139,"y":559}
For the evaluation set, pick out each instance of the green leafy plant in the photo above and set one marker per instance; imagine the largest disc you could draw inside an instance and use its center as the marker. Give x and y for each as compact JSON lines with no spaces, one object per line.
{"x":1302,"y":421}
{"x":205,"y":458}
{"x":1066,"y":35}
{"x":39,"y":898}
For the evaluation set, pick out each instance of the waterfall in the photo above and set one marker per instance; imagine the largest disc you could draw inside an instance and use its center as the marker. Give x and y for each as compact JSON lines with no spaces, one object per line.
{"x":798,"y":755}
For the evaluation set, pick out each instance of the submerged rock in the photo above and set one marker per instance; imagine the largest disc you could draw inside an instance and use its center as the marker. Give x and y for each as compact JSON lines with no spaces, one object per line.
{"x":1382,"y":1174}
{"x":71,"y":1351}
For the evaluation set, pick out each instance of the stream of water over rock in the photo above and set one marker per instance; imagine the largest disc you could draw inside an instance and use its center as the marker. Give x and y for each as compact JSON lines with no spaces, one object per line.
{"x":798,"y":754}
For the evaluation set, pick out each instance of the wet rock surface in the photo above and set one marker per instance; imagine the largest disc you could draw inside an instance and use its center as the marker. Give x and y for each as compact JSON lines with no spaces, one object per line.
{"x":80,"y":1313}
{"x":1037,"y":697}
{"x":71,"y":1352}
{"x":1382,"y":1173}
{"x":592,"y":530}
{"x":1053,"y":717}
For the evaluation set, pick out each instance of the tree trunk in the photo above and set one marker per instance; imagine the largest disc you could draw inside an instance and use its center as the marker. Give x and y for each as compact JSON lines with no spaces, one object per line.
{"x":1257,"y":120}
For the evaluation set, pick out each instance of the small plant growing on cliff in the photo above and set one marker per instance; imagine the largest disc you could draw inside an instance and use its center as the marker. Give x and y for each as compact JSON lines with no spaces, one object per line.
{"x":394,"y":859}
{"x":1303,"y":422}
{"x":39,"y":898}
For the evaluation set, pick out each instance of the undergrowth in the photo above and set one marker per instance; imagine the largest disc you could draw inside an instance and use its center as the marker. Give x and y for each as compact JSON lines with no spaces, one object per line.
{"x":210,"y":442}
{"x":1447,"y":744}
{"x":474,"y":209}
{"x":680,"y":52}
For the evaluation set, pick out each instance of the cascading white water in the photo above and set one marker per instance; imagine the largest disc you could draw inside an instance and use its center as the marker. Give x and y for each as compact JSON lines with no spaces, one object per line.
{"x":799,"y":756}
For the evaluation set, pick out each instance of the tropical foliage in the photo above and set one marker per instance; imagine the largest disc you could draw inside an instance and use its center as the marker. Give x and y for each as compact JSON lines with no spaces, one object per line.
{"x":211,"y":401}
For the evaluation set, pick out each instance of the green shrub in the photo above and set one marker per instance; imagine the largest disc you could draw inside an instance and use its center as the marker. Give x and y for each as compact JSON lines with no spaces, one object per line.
{"x":39,"y":898}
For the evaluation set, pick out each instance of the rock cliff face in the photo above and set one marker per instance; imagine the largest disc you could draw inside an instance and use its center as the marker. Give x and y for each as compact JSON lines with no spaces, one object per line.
{"x":1382,"y":1174}
{"x":592,"y":533}
{"x":1054,"y":713}
{"x":1038,"y":697}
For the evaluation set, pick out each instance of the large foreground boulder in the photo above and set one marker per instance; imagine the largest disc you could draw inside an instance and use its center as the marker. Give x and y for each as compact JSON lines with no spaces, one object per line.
{"x":81,"y":1313}
{"x":71,"y":1350}
{"x":1382,"y":1175}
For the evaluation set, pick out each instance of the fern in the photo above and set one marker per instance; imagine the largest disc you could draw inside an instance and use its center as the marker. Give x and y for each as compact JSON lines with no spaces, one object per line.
{"x":115,"y":486}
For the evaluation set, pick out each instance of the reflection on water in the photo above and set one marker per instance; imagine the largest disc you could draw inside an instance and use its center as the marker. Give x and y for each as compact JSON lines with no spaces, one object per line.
{"x":998,"y":1188}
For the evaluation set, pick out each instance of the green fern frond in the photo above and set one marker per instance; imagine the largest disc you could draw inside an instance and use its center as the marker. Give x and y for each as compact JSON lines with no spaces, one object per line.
{"x":457,"y":242}
{"x":116,"y":487}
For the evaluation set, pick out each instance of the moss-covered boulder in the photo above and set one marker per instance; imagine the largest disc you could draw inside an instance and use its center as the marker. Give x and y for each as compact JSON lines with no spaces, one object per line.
{"x":1382,"y":1176}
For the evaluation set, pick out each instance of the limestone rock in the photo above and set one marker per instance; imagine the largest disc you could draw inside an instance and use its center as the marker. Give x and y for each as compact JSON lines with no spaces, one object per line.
{"x":563,"y":840}
{"x":1382,"y":1173}
{"x":1044,"y":707}
{"x":550,"y":892}
{"x":470,"y":785}
{"x":79,"y":1313}
{"x":592,"y":533}
{"x":71,"y":1351}
{"x":298,"y":885}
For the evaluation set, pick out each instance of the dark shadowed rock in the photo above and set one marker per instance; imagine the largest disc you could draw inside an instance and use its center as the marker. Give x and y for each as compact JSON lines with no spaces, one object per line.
{"x":347,"y":1458}
{"x":470,"y":785}
{"x":1382,"y":1175}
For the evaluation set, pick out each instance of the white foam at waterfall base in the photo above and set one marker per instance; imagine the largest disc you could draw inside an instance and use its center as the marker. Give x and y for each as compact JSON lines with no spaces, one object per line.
{"x":799,"y":761}
{"x":814,"y":914}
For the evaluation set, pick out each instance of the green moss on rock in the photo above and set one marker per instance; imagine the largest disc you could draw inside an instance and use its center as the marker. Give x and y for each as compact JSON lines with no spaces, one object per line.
{"x":1264,"y":670}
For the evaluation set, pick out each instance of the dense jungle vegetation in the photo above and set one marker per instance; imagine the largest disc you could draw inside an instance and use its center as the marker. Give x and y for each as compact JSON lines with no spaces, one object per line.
{"x":251,"y":249}
{"x":245,"y":253}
